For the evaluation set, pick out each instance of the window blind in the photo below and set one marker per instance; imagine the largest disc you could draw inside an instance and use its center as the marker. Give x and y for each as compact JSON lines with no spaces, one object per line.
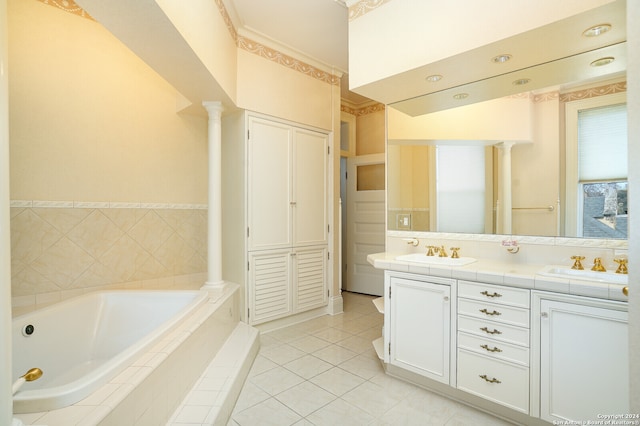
{"x":602,"y":143}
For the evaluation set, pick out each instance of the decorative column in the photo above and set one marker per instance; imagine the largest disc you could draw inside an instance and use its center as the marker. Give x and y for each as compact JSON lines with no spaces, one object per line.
{"x":214,"y":216}
{"x":504,"y":189}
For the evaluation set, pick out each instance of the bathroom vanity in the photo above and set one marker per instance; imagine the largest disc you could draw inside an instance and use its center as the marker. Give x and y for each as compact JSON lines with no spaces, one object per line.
{"x":502,"y":337}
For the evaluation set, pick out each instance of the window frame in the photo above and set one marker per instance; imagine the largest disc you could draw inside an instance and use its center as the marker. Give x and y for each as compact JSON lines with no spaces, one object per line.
{"x":573,"y":187}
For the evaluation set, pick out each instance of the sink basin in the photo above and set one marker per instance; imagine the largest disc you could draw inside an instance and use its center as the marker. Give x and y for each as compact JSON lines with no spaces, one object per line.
{"x":436,"y":260}
{"x":587,"y":275}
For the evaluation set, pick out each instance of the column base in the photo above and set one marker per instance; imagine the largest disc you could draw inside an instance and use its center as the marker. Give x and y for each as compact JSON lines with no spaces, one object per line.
{"x":335,"y":305}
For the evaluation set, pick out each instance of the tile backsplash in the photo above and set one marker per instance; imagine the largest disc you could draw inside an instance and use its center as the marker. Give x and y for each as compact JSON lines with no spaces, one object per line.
{"x":60,"y":248}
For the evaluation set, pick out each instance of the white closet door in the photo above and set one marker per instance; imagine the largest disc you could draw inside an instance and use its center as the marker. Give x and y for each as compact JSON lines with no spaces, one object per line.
{"x":310,"y":278}
{"x":269,"y":178}
{"x":270,"y":285}
{"x":310,"y":187}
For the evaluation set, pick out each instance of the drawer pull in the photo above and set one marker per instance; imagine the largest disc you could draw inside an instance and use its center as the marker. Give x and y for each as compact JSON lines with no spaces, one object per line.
{"x":495,"y":349}
{"x":486,"y":293}
{"x":494,"y":380}
{"x":486,"y":330}
{"x":484,"y":311}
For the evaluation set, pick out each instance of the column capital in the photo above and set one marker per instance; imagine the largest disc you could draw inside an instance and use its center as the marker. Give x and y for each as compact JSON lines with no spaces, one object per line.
{"x":214,"y":108}
{"x":505,"y":145}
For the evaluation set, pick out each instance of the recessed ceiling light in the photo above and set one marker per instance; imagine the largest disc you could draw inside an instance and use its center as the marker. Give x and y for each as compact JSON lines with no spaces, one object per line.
{"x":433,"y":78}
{"x":603,"y":61}
{"x":596,"y":30}
{"x":501,"y":59}
{"x":521,"y":81}
{"x":460,"y":96}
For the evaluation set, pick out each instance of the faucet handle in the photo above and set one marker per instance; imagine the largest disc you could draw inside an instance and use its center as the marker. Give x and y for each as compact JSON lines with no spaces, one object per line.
{"x":454,"y":252}
{"x":430,"y":251}
{"x":577,"y":262}
{"x":622,"y":265}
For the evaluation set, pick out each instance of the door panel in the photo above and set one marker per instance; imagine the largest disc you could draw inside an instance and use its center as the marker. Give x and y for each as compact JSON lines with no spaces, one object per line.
{"x":270,"y":192}
{"x":310,"y":187}
{"x":365,"y":229}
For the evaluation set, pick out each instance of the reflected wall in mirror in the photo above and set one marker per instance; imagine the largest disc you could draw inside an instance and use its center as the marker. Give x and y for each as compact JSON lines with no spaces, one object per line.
{"x":525,"y":162}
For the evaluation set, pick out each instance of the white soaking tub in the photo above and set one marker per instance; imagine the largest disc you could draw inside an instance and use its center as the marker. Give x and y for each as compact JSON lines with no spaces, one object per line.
{"x":82,"y":343}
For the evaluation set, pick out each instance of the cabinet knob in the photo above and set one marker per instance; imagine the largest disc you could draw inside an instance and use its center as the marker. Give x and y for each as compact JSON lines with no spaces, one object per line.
{"x":625,"y":290}
{"x":292,"y":203}
{"x":446,"y":298}
{"x":544,"y":314}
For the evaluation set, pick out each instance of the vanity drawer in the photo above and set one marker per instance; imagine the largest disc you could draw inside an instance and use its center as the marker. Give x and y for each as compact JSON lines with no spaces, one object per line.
{"x":494,"y":312}
{"x":494,"y":349}
{"x":494,"y":330}
{"x":494,"y":293}
{"x":495,"y":380}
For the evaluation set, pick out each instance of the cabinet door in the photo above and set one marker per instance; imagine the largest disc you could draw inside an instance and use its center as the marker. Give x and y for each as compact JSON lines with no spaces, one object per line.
{"x":269,"y":180}
{"x":584,"y":361}
{"x":269,"y":285}
{"x":310,"y":278}
{"x":420,"y":327}
{"x":310,"y":187}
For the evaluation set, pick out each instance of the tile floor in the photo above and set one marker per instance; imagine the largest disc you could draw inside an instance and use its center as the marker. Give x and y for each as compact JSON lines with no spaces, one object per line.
{"x":325,"y":372}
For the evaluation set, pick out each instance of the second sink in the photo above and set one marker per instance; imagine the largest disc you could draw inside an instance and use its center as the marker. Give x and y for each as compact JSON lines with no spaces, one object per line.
{"x":582,"y":274}
{"x":436,"y":260}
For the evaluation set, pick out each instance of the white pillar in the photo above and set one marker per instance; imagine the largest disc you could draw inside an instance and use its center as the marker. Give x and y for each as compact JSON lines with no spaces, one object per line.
{"x":504,"y":189}
{"x":214,"y":236}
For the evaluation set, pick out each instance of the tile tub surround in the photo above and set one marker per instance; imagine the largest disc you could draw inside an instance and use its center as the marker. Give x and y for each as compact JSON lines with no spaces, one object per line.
{"x":150,"y":390}
{"x":60,"y":248}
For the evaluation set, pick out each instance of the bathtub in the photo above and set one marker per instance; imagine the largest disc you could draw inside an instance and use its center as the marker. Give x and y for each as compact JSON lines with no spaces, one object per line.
{"x":83,"y":343}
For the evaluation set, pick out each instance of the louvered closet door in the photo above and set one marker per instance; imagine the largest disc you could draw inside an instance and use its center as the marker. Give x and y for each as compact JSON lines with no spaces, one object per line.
{"x":310,"y":187}
{"x":310,"y":278}
{"x":269,"y":277}
{"x":270,"y":191}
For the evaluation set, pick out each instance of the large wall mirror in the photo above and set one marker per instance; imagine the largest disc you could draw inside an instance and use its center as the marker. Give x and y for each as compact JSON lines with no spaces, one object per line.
{"x":536,"y":151}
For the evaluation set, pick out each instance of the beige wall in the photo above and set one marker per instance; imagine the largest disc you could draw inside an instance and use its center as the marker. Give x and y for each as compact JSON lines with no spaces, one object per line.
{"x":270,"y":88}
{"x":108,"y":182}
{"x":370,"y":132}
{"x":535,"y":172}
{"x":90,"y":121}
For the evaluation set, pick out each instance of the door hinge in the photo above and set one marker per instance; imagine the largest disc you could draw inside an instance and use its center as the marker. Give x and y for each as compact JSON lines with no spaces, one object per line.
{"x":248,"y":313}
{"x":248,"y":132}
{"x":389,"y":348}
{"x":389,"y":292}
{"x":346,"y":175}
{"x":247,"y":232}
{"x":248,"y":263}
{"x":328,"y":229}
{"x":327,"y":292}
{"x":328,"y":256}
{"x":328,"y":150}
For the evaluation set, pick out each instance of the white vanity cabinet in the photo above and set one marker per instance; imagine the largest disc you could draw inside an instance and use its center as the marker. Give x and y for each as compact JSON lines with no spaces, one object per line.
{"x":583,"y":357}
{"x":275,"y":214}
{"x":493,"y":343}
{"x":418,"y":324}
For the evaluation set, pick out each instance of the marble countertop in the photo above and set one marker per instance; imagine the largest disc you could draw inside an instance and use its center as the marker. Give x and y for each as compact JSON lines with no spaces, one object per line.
{"x":502,"y":273}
